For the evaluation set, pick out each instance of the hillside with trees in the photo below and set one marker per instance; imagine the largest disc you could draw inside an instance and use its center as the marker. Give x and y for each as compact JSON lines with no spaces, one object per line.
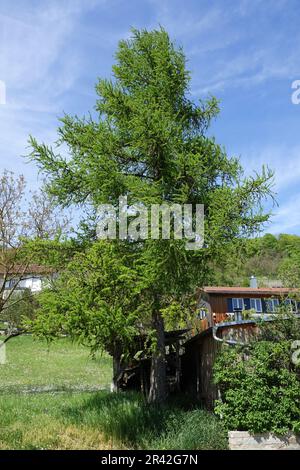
{"x":274,"y":260}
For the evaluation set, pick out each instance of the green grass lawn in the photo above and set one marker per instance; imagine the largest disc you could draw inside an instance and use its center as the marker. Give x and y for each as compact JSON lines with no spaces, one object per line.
{"x":103,"y":420}
{"x":35,"y":365}
{"x":45,"y":421}
{"x":51,"y":398}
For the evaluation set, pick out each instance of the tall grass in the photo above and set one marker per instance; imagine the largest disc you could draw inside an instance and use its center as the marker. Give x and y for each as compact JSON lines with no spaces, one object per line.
{"x":126,"y":418}
{"x":105,"y":420}
{"x":191,"y":430}
{"x":83,"y":420}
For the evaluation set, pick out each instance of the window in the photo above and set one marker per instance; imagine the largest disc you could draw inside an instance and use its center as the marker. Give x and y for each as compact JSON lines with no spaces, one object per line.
{"x":22,"y":284}
{"x":292,"y":305}
{"x":10,"y":284}
{"x":256,"y":305}
{"x":238,"y":304}
{"x":272,"y":305}
{"x":202,"y":314}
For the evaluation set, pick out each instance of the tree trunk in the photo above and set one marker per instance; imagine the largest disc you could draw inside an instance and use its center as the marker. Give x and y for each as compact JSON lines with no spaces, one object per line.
{"x":117,"y":369}
{"x":158,"y":376}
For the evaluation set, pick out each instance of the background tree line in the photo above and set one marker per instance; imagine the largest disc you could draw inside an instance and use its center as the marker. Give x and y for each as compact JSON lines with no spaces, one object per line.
{"x":272,"y":259}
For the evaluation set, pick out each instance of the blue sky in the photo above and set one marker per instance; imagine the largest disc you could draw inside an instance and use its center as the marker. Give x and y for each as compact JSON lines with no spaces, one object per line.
{"x":245,"y":52}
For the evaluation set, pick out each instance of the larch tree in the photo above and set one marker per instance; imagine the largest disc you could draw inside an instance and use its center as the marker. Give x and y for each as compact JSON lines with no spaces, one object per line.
{"x":150,"y":143}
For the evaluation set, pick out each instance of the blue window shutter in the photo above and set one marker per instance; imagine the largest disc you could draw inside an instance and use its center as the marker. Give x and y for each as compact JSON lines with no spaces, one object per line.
{"x":229,"y":305}
{"x":247,"y":304}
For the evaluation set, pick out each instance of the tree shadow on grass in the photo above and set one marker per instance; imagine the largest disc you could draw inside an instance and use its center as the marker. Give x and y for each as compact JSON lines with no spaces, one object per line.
{"x":128,"y":419}
{"x":125,"y":417}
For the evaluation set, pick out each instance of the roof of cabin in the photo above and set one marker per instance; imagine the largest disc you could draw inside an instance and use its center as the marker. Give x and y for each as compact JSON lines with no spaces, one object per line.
{"x":248,"y":290}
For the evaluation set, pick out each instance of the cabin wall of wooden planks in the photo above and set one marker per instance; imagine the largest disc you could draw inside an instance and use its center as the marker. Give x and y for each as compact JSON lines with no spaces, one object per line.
{"x":199,"y":357}
{"x":197,"y":368}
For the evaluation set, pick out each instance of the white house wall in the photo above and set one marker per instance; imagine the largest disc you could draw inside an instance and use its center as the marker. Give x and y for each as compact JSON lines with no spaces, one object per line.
{"x":32,"y":282}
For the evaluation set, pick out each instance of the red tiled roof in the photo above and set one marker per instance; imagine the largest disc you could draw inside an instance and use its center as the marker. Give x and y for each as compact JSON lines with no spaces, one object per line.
{"x":248,"y":290}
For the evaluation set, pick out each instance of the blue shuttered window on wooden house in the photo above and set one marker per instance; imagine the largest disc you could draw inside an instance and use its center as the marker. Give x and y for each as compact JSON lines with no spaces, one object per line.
{"x":264,"y":303}
{"x":260,"y":305}
{"x":271,"y":305}
{"x":238,"y":304}
{"x":292,"y":305}
{"x":235,"y":303}
{"x":256,"y":304}
{"x":229,"y":305}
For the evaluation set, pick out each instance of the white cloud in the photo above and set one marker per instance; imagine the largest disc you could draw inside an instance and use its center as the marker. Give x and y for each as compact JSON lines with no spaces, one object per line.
{"x":284,"y":160}
{"x":31,"y":46}
{"x":39,"y":67}
{"x":190,"y":23}
{"x":231,"y":51}
{"x":246,"y":72}
{"x":286,"y":219}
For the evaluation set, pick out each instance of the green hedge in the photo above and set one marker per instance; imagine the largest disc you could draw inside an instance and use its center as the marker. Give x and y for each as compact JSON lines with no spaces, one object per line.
{"x":259,"y":386}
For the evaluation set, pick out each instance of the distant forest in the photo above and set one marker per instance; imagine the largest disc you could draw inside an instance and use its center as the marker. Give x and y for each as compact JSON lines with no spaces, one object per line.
{"x":274,"y":260}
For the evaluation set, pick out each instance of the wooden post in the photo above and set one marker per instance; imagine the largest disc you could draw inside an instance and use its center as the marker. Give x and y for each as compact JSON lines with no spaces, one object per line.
{"x":178,"y":365}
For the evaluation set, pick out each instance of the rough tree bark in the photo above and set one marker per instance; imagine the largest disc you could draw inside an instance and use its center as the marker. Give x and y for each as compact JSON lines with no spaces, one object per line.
{"x":117,"y":367}
{"x":158,"y":376}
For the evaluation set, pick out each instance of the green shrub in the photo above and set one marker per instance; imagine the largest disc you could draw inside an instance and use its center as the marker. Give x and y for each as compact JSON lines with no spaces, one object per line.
{"x":22,"y":305}
{"x":259,"y":386}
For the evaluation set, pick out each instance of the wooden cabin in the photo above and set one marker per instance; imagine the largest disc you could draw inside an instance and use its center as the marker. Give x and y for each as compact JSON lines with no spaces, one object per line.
{"x":221,"y":316}
{"x":219,"y":304}
{"x":200,"y":354}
